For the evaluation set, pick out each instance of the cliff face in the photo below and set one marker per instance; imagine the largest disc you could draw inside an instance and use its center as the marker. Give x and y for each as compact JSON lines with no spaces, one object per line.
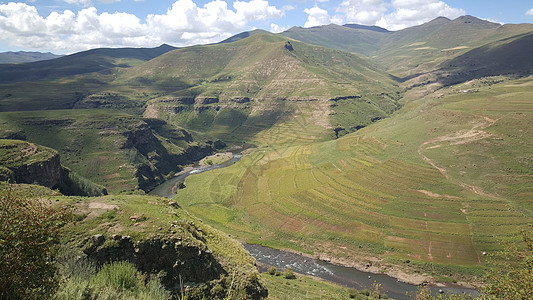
{"x":161,"y":159}
{"x":31,"y":163}
{"x":24,"y":162}
{"x":161,"y":238}
{"x":47,"y":173}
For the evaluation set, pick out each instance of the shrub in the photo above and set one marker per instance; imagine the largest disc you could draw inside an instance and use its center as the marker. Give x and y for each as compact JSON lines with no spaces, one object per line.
{"x":119,"y":276}
{"x":29,"y":232}
{"x":272,"y":271}
{"x":118,"y":280}
{"x":289,"y":274}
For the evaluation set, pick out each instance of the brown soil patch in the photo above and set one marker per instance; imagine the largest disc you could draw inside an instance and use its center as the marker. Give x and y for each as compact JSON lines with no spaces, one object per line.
{"x":96,"y":209}
{"x":435,"y":195}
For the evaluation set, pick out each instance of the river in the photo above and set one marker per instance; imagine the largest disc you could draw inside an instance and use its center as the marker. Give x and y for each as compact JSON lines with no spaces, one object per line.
{"x":346,"y":276}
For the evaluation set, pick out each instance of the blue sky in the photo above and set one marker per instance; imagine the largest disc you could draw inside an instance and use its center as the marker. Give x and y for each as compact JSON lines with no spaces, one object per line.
{"x":66,"y":26}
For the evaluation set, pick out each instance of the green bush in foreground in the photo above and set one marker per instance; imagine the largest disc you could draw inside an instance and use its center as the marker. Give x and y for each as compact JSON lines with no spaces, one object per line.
{"x":117,"y":280}
{"x":29,"y":234}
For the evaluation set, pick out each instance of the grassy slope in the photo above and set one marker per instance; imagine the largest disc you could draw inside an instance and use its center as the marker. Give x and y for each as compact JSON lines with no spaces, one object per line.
{"x":91,"y":151}
{"x":361,"y":41}
{"x":441,"y":181}
{"x":90,"y":142}
{"x":422,"y":48}
{"x":283,"y":85}
{"x":94,"y":60}
{"x":14,"y":153}
{"x":413,"y":50}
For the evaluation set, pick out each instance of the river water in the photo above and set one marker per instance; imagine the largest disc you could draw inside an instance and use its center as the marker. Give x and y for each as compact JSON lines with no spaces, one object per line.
{"x":346,"y":276}
{"x":167,"y":188}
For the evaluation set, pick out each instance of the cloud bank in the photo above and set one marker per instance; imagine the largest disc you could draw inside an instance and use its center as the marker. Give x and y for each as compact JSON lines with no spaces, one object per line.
{"x":396,"y":15}
{"x":184,"y":24}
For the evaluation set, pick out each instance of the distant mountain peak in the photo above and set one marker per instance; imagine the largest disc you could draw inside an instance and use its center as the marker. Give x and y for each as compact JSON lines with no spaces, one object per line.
{"x":440,"y":20}
{"x":473,"y":20}
{"x":364,"y":27}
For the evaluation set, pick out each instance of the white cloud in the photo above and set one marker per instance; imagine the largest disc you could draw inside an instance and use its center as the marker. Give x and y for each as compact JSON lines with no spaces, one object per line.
{"x":393,"y":14}
{"x":275,"y":28}
{"x":365,"y":12}
{"x":317,"y":16}
{"x":530,"y":12}
{"x":415,"y":12}
{"x":183,"y":24}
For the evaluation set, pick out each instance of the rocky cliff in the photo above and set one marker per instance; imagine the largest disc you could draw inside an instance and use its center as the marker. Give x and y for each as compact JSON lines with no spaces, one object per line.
{"x":161,"y":238}
{"x":31,"y":163}
{"x":25,"y":162}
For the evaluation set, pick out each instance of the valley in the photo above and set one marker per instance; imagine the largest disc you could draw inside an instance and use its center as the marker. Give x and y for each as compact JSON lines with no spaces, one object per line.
{"x":407,"y":153}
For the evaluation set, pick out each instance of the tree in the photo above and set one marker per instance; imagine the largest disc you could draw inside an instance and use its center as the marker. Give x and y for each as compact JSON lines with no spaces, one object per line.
{"x":29,"y":232}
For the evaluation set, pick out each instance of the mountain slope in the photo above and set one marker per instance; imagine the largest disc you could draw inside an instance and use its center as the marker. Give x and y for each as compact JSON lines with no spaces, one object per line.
{"x":511,"y":56}
{"x":428,"y":188}
{"x":79,"y":63}
{"x":353,"y":38}
{"x":263,"y":78}
{"x":114,"y":149}
{"x":414,"y":50}
{"x":24,"y":57}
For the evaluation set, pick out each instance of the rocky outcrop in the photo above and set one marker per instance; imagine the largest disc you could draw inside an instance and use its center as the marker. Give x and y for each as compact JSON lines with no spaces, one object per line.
{"x":31,"y":163}
{"x":24,"y":162}
{"x":193,"y":262}
{"x":187,"y":264}
{"x":159,"y":160}
{"x":47,"y":172}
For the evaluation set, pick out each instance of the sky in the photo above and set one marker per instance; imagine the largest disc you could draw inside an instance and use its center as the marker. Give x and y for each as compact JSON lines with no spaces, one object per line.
{"x":68,"y":26}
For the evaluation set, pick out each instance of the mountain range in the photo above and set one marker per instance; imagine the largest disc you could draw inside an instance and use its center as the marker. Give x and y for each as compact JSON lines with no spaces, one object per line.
{"x":407,"y":150}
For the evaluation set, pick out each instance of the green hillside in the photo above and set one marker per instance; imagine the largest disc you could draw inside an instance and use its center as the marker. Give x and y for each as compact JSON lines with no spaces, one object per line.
{"x":235,"y":90}
{"x":362,"y":40}
{"x":414,"y":50}
{"x":510,"y":56}
{"x":438,"y":183}
{"x":119,"y":151}
{"x":95,"y":60}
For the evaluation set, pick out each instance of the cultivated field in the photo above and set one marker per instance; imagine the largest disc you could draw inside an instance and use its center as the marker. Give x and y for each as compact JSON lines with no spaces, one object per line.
{"x":445,"y":179}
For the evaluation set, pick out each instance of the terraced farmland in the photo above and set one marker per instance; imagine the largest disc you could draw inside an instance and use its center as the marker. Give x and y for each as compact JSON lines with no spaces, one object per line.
{"x":403,"y":189}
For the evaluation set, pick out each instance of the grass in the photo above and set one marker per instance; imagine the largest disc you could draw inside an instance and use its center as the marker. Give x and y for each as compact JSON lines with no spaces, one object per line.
{"x":14,"y":153}
{"x":303,"y":287}
{"x":433,"y":184}
{"x":96,"y":144}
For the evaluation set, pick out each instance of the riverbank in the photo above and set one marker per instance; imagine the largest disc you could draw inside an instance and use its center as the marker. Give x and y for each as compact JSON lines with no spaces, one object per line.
{"x":350,"y":274}
{"x":378,"y":266}
{"x":216,"y":159}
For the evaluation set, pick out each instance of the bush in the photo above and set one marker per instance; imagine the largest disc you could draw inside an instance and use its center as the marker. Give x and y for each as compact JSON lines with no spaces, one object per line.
{"x":272,"y":271}
{"x":29,"y":233}
{"x":119,"y":276}
{"x":289,"y":274}
{"x":118,"y":280}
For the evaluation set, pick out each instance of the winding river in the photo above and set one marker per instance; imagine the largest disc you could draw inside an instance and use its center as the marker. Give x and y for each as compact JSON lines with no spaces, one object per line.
{"x":346,"y":276}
